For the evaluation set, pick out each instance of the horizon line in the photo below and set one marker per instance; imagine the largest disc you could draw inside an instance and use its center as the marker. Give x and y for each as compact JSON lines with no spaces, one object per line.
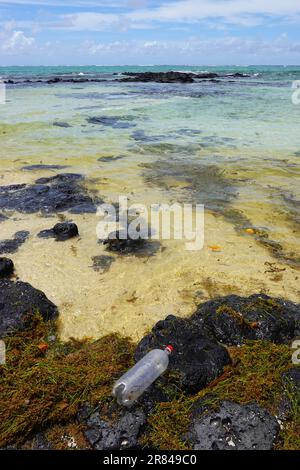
{"x":153,"y":65}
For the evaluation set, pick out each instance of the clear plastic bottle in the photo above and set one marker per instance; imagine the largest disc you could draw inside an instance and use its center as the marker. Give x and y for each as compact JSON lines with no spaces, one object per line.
{"x":133,"y":384}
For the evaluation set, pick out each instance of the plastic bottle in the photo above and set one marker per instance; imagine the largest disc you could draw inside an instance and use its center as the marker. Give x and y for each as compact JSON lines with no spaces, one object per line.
{"x":133,"y":384}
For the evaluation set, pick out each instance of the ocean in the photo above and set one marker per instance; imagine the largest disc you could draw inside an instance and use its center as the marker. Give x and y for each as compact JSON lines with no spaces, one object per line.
{"x":230,"y":142}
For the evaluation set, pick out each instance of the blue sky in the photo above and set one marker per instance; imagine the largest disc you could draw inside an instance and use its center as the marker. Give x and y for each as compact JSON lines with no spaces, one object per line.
{"x":120,"y":32}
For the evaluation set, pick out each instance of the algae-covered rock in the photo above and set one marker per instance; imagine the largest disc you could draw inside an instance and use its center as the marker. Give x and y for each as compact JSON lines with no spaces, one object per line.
{"x":233,"y":427}
{"x":18,"y":302}
{"x":197,"y":360}
{"x":289,"y":405}
{"x":292,"y":377}
{"x":232,"y":319}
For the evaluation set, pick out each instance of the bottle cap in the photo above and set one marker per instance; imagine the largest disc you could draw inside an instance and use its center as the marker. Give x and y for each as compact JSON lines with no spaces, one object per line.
{"x":170,"y":348}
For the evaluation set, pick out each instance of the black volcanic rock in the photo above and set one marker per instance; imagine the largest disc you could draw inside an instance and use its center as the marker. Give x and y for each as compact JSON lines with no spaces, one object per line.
{"x":63,"y":192}
{"x":196,"y":359}
{"x":121,"y":243}
{"x":6,"y":267}
{"x":61,"y":231}
{"x":12,"y":245}
{"x":232,"y":320}
{"x":19,"y":302}
{"x":233,"y":427}
{"x":160,"y":77}
{"x":115,"y":434}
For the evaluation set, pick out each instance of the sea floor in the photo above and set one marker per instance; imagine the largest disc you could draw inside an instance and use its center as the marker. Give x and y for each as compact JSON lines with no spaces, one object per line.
{"x":241,"y":163}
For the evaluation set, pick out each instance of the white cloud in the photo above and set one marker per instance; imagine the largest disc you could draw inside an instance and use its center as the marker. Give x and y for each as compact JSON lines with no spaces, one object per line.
{"x":65,"y":3}
{"x":245,"y":13}
{"x":15,"y":41}
{"x":142,"y":14}
{"x":193,"y":47}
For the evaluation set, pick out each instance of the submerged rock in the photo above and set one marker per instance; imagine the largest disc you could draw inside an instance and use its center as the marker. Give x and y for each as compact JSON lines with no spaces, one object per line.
{"x":19,"y":301}
{"x":6,"y":267}
{"x":102,"y":263}
{"x":63,"y":192}
{"x":121,"y":243}
{"x":140,"y":136}
{"x":61,"y":124}
{"x":232,"y":320}
{"x":233,"y":427}
{"x":198,"y":183}
{"x":119,"y":434}
{"x":3,"y":218}
{"x":61,"y":231}
{"x":116,"y":122}
{"x":197,"y":360}
{"x":110,"y":159}
{"x":44,"y":167}
{"x":12,"y":245}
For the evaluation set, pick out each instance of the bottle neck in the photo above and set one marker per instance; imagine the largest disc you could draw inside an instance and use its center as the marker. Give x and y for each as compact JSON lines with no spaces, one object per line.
{"x":169,"y":349}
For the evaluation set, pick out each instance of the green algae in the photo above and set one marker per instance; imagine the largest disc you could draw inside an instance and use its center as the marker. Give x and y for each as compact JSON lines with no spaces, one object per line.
{"x":254,"y":376}
{"x":44,"y":384}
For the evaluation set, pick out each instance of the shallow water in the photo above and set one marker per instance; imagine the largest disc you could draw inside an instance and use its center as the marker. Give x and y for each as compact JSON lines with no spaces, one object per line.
{"x":233,"y":145}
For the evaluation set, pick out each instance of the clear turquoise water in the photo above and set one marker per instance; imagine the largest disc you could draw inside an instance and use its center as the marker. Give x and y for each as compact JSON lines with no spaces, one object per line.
{"x":170,"y":137}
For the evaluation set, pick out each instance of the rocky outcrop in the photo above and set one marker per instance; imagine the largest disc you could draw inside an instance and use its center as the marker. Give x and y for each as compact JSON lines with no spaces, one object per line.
{"x":176,"y":77}
{"x":197,"y":360}
{"x":161,"y":77}
{"x":232,"y":320}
